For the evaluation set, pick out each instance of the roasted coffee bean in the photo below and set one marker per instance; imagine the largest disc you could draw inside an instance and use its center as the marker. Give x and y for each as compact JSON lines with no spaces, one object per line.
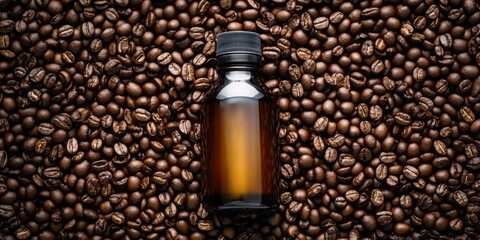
{"x":410,"y":172}
{"x":320,"y":124}
{"x":336,"y":17}
{"x":336,"y":141}
{"x":22,"y":233}
{"x":440,"y":147}
{"x":467,"y":114}
{"x":7,"y":26}
{"x":376,"y":113}
{"x":460,"y":198}
{"x":164,"y":58}
{"x":318,"y":144}
{"x":367,"y":49}
{"x":37,"y":74}
{"x":321,"y":23}
{"x":205,"y":225}
{"x":378,"y":66}
{"x":120,"y":149}
{"x":377,"y":198}
{"x":4,"y":41}
{"x":384,"y":217}
{"x":271,"y":53}
{"x":46,"y":129}
{"x":7,"y":211}
{"x":113,"y":66}
{"x":388,"y":157}
{"x":72,"y":146}
{"x":65,"y":31}
{"x":403,"y":119}
{"x":160,"y":178}
{"x":52,"y":172}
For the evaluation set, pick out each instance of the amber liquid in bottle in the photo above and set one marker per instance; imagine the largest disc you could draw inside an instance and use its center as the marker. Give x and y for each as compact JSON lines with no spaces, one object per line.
{"x":240,"y":155}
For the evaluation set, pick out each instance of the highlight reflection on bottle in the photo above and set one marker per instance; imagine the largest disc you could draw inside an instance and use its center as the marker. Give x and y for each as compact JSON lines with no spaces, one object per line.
{"x":240,"y":168}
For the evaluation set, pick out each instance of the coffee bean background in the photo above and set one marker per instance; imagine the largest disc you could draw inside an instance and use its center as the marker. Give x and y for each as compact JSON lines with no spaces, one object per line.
{"x":100,"y":106}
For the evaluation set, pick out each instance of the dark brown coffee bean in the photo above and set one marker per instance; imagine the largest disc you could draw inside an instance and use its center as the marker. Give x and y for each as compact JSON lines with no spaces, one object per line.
{"x":376,"y":113}
{"x":410,"y":172}
{"x":378,"y":66}
{"x":202,"y":7}
{"x":188,"y":72}
{"x":72,"y":146}
{"x":65,"y":31}
{"x":336,"y":141}
{"x":306,"y":21}
{"x":440,"y":147}
{"x":336,"y":17}
{"x":3,"y":159}
{"x":388,"y":157}
{"x":287,"y":171}
{"x":297,"y":90}
{"x":113,"y":66}
{"x":7,"y":211}
{"x":419,"y":74}
{"x":52,"y":172}
{"x":225,"y":4}
{"x":88,"y":29}
{"x":406,"y":30}
{"x":7,"y":26}
{"x":420,"y":23}
{"x":37,"y":74}
{"x":174,"y":69}
{"x":4,"y":41}
{"x":467,"y":114}
{"x":118,"y":218}
{"x":445,"y":40}
{"x":432,"y":12}
{"x":367,"y":49}
{"x":381,"y":172}
{"x":62,"y":121}
{"x":384,"y":217}
{"x":425,"y":104}
{"x":401,"y":228}
{"x":111,"y":14}
{"x":318,"y":143}
{"x":321,"y":23}
{"x":271,"y":52}
{"x":185,"y":126}
{"x":46,"y":129}
{"x":160,"y":178}
{"x":403,"y":119}
{"x":164,"y":58}
{"x":460,"y":197}
{"x":205,"y":225}
{"x":346,"y":160}
{"x":120,"y":149}
{"x":377,"y":198}
{"x":314,"y":190}
{"x":352,"y":195}
{"x":22,"y":233}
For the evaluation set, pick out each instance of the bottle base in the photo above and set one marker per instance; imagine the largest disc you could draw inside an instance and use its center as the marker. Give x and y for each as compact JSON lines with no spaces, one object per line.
{"x":239,"y":206}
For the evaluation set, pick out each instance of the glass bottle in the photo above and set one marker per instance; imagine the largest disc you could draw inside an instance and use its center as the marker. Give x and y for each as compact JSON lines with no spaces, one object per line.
{"x":240,"y":155}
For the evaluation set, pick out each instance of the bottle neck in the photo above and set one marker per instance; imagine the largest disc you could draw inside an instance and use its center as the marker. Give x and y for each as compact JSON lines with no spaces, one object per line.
{"x":239,"y":59}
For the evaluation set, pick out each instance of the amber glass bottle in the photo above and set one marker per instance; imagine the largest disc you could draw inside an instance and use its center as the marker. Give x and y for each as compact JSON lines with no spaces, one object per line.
{"x":240,"y":167}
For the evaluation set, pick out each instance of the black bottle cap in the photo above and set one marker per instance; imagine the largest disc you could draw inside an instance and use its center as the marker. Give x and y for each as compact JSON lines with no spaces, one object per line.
{"x":239,"y":47}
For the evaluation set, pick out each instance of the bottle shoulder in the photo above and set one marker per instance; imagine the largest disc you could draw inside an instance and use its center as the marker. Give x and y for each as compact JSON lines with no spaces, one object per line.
{"x":239,"y":89}
{"x":239,"y":83}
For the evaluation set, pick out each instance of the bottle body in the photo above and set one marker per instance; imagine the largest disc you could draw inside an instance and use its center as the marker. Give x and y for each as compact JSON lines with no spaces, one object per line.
{"x":240,"y":167}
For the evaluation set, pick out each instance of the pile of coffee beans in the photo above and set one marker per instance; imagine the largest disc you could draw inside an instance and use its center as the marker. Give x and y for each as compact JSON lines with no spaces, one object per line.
{"x":100,"y":107}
